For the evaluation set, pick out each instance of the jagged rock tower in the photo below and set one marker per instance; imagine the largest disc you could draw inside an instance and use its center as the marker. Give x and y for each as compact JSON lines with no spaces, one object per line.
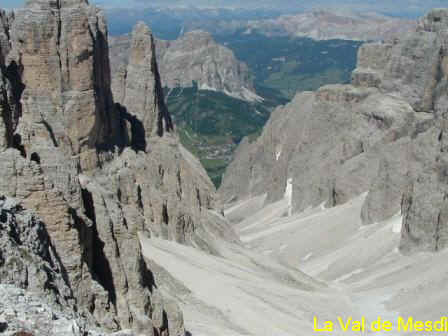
{"x":97,"y":172}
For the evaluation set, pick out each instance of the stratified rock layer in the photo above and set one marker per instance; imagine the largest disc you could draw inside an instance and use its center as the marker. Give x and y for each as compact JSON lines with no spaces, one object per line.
{"x":383,"y":134}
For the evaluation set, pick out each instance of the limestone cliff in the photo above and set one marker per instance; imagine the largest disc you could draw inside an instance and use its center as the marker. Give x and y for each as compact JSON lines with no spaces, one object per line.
{"x":193,"y":58}
{"x":383,"y":134}
{"x":95,"y":171}
{"x":141,"y":90}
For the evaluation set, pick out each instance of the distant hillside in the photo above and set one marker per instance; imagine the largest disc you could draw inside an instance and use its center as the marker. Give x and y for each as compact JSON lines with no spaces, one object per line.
{"x":288,"y":65}
{"x":211,"y":124}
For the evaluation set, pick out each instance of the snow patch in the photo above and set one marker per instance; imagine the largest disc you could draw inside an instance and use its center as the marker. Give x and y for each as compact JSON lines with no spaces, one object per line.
{"x":244,"y":94}
{"x":251,"y":96}
{"x":277,"y":155}
{"x":307,"y":257}
{"x":288,"y":196}
{"x":204,"y":86}
{"x":83,"y":180}
{"x":349,"y":275}
{"x":283,"y":247}
{"x":397,"y":224}
{"x":188,"y":135}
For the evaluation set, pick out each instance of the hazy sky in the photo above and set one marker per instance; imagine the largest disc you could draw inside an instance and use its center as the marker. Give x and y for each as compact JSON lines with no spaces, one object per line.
{"x":386,"y":6}
{"x":11,"y":3}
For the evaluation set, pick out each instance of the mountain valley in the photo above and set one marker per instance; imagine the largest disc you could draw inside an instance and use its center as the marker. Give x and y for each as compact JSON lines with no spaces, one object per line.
{"x":334,"y":204}
{"x":232,"y":86}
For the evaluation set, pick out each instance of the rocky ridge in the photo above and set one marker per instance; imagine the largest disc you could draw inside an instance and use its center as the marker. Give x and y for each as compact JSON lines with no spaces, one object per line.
{"x":95,"y":170}
{"x":328,"y":25}
{"x":383,"y":134}
{"x":193,"y":58}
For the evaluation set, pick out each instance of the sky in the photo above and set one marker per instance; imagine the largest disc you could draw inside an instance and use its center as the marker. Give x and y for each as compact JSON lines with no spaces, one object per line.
{"x":10,"y":3}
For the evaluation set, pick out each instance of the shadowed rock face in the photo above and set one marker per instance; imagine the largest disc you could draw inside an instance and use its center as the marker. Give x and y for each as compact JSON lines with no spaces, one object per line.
{"x":140,"y":87}
{"x":415,"y":68}
{"x":383,"y":134}
{"x":98,"y":172}
{"x":60,"y":48}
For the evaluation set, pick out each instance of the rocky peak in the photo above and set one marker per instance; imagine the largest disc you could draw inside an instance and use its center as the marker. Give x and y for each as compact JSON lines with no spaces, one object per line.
{"x":4,"y":37}
{"x":434,"y":21}
{"x":196,"y":57}
{"x":414,"y":66}
{"x":9,"y":105}
{"x":60,"y":48}
{"x":96,"y":172}
{"x":193,"y":58}
{"x":199,"y":36}
{"x":55,"y":4}
{"x":141,"y":90}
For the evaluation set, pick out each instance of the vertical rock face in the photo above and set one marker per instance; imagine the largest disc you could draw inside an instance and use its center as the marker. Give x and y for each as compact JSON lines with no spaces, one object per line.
{"x":417,"y":71}
{"x":194,"y":58}
{"x":424,"y":207}
{"x":60,"y":50}
{"x":413,"y":67}
{"x":384,"y":135}
{"x":141,"y":92}
{"x":8,"y":100}
{"x":57,"y":74}
{"x":329,"y":144}
{"x":97,"y":172}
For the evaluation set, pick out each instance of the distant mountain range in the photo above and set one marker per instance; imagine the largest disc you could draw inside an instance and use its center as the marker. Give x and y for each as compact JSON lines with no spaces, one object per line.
{"x":398,"y":7}
{"x":169,"y":23}
{"x":327,"y":25}
{"x":409,"y":8}
{"x":320,"y":24}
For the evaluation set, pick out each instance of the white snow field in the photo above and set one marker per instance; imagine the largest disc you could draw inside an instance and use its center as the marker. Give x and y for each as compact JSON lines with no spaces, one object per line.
{"x":288,"y":269}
